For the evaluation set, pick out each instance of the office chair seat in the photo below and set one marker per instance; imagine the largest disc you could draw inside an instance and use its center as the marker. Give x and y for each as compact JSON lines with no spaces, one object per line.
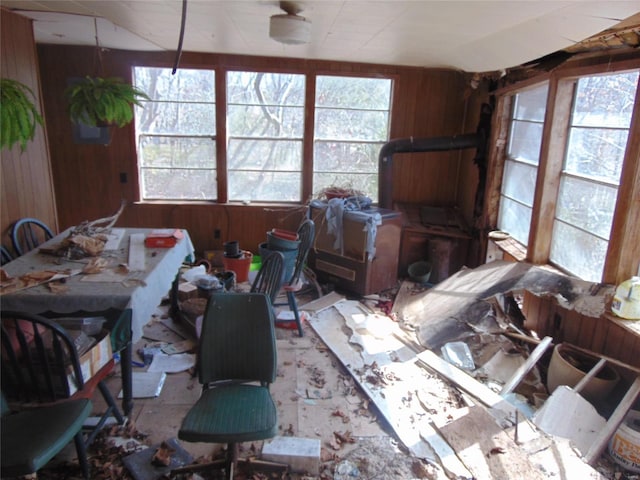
{"x":242,"y":413}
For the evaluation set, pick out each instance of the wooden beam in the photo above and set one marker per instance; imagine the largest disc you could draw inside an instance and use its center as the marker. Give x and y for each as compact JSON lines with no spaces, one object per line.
{"x":598,"y":445}
{"x":523,"y":369}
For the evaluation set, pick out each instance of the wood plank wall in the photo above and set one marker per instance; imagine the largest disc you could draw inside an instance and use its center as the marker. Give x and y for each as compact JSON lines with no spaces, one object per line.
{"x":427,"y":103}
{"x":26,"y":188}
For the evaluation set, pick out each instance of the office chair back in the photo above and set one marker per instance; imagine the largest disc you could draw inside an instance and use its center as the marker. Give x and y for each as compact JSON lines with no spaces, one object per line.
{"x":238,"y":339}
{"x":269,"y":277}
{"x":28,"y":233}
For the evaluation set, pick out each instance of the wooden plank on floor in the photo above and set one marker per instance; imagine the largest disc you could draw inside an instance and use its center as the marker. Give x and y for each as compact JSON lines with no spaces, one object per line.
{"x":466,"y":382}
{"x":485,"y":449}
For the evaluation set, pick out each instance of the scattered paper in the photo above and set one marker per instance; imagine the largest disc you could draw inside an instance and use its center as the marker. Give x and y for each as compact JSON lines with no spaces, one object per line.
{"x":114,"y":238}
{"x":172,"y":363}
{"x":146,"y":384}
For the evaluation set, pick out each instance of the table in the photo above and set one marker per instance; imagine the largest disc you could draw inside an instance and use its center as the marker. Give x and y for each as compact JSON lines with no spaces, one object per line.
{"x":133,"y":296}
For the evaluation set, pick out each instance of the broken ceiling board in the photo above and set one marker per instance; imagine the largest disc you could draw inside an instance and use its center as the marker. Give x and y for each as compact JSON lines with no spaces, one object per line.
{"x":448,"y":311}
{"x":390,"y":385}
{"x":568,"y":415}
{"x":498,"y":405}
{"x":322,"y":303}
{"x":485,"y":448}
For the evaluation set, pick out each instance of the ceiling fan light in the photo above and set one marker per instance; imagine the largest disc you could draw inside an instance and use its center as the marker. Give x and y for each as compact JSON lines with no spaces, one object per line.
{"x":290,"y":29}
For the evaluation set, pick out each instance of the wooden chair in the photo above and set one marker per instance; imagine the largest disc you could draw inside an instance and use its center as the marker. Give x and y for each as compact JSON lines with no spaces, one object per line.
{"x":41,"y":366}
{"x":237,"y":363}
{"x":269,"y":277}
{"x":5,"y":255}
{"x":31,"y":438}
{"x":28,"y":233}
{"x":306,"y":235}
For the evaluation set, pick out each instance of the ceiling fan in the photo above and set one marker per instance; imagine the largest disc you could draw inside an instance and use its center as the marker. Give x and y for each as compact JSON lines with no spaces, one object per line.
{"x":289,"y":27}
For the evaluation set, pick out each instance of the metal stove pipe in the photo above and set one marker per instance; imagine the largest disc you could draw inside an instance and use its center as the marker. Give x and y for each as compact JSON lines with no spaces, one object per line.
{"x":406,"y":145}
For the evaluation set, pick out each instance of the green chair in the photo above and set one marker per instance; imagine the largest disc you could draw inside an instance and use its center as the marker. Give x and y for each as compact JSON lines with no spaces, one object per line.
{"x":237,"y":362}
{"x":40,"y":365}
{"x":269,"y":277}
{"x":28,"y":233}
{"x":31,"y":438}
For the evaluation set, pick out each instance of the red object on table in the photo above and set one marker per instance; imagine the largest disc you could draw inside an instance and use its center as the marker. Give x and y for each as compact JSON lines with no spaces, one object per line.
{"x":165,"y":238}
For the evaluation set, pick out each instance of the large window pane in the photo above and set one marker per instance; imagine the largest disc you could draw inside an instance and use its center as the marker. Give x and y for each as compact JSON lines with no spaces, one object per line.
{"x":525,"y":141}
{"x":264,"y":185}
{"x":519,"y":182}
{"x":587,"y":204}
{"x":175,"y":134}
{"x":596,"y":152}
{"x":177,"y":168}
{"x":351,"y":125}
{"x":275,"y":155}
{"x":265,"y":126}
{"x":518,"y":217}
{"x":578,"y":252}
{"x":605,"y":100}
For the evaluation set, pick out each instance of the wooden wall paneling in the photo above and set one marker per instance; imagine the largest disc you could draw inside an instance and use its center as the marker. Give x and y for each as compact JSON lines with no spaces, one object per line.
{"x":572,"y":324}
{"x":586,"y":331}
{"x":599,"y":338}
{"x":27,"y":187}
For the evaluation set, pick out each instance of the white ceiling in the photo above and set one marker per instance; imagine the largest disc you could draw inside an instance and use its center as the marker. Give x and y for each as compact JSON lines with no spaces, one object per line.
{"x":474,"y":35}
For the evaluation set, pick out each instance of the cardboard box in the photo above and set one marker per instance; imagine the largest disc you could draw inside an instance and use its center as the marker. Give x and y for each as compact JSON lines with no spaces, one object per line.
{"x":92,"y":360}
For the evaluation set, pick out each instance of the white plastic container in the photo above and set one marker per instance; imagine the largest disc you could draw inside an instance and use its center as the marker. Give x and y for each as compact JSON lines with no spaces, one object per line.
{"x":624,"y":446}
{"x":626,"y":302}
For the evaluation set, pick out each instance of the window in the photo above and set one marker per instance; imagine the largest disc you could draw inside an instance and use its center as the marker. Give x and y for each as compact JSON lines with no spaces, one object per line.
{"x":351,"y":125}
{"x":265,"y":127}
{"x":176,"y":133}
{"x":521,"y":163}
{"x":595,"y":150}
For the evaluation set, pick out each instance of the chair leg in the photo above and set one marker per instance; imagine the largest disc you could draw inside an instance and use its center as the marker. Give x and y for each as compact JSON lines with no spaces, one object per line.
{"x":106,"y":394}
{"x":293,"y":306}
{"x":232,"y":460}
{"x":81,"y":451}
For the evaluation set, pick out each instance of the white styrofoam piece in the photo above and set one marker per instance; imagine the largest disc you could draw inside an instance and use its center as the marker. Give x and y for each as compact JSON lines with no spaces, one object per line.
{"x":301,"y":454}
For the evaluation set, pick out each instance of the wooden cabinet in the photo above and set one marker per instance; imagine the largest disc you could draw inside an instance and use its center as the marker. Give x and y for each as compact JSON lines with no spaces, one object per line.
{"x":437,"y":235}
{"x":347,"y":264}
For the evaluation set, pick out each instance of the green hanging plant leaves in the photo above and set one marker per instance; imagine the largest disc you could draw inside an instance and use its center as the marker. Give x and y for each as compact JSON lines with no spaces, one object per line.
{"x":96,"y":100}
{"x":18,"y":114}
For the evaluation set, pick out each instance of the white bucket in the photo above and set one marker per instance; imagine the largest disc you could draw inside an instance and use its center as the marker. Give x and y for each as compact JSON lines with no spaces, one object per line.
{"x":624,"y":446}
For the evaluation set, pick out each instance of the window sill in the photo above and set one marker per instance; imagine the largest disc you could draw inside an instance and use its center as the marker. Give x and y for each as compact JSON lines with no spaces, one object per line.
{"x":506,"y":249}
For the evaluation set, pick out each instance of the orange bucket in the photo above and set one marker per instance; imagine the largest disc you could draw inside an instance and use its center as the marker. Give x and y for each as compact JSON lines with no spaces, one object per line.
{"x":240,"y":265}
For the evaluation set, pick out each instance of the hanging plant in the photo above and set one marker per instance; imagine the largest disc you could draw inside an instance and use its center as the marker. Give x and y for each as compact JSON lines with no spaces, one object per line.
{"x":98,"y":101}
{"x":18,"y":114}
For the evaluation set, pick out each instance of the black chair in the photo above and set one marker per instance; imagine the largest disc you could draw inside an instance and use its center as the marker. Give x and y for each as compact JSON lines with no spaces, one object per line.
{"x":5,"y":255}
{"x":28,"y":233}
{"x":41,"y":365}
{"x":269,"y":277}
{"x":306,"y":235}
{"x":237,"y":363}
{"x":31,"y":438}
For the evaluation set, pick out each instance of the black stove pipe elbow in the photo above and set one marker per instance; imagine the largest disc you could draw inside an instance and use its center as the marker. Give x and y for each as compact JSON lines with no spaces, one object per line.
{"x":407,"y":145}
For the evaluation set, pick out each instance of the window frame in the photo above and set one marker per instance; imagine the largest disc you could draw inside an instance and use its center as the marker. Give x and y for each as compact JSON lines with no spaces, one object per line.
{"x":310,"y":75}
{"x":623,"y":253}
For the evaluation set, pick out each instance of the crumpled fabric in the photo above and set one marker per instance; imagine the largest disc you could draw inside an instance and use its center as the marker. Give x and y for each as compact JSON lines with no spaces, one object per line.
{"x":336,"y":209}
